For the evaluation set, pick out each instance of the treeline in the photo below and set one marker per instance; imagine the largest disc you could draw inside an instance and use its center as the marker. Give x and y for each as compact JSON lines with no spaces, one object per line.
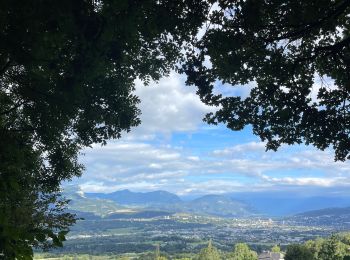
{"x":335,"y":247}
{"x":240,"y":251}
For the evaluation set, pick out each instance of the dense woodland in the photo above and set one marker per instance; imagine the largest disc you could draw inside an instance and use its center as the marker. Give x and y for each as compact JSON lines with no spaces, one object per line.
{"x":68,"y":71}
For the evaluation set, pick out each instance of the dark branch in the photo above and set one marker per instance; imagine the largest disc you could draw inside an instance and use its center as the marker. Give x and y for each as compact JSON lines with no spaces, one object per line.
{"x":5,"y":68}
{"x":12,"y":108}
{"x":306,"y":28}
{"x":335,"y":47}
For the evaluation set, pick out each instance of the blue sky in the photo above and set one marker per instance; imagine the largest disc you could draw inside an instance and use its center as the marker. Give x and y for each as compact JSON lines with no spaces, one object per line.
{"x":174,"y":150}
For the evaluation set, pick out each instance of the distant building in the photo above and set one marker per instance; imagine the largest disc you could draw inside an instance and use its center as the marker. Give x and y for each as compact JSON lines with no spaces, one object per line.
{"x":271,"y":256}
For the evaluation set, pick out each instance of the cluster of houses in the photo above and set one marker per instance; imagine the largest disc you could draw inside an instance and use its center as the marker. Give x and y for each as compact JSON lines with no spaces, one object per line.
{"x":271,"y":256}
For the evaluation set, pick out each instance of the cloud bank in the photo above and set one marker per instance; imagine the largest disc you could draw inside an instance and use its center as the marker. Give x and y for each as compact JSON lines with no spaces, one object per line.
{"x":161,"y":153}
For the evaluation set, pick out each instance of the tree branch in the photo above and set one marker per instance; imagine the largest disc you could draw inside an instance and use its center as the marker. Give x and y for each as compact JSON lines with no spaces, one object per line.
{"x":12,"y":108}
{"x":307,"y":27}
{"x":335,"y":47}
{"x":4,"y":69}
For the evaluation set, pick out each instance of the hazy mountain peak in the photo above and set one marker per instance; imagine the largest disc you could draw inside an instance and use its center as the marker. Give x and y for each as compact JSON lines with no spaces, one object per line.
{"x":128,"y":197}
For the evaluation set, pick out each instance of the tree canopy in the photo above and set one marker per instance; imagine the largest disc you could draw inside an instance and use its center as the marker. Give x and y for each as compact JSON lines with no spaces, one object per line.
{"x":67,"y":72}
{"x":298,"y":252}
{"x":332,"y":248}
{"x":31,"y":213}
{"x":242,"y":251}
{"x":209,"y":253}
{"x":287,"y":52}
{"x":276,"y":249}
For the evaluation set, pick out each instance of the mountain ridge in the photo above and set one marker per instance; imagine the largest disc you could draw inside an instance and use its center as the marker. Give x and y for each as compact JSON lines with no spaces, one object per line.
{"x":158,"y":201}
{"x":333,"y":211}
{"x":127,"y":197}
{"x":224,"y":205}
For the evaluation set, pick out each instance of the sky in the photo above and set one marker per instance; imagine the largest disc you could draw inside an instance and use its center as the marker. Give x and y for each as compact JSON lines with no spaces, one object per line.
{"x":174,"y":150}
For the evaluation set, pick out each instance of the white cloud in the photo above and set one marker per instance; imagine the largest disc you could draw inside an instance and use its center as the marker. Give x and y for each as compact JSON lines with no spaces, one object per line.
{"x":228,"y":90}
{"x":169,"y":106}
{"x":321,"y":182}
{"x":323,"y":160}
{"x":155,"y":166}
{"x":212,"y":187}
{"x":101,"y":187}
{"x":193,"y":158}
{"x":146,"y":160}
{"x":242,"y":148}
{"x":141,"y":166}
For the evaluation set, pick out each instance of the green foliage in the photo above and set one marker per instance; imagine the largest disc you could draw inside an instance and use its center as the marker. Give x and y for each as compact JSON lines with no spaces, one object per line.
{"x":242,"y":251}
{"x":67,"y":72}
{"x":335,"y":247}
{"x":276,"y":249}
{"x":298,"y":252}
{"x":332,"y":249}
{"x":314,"y":246}
{"x":157,"y":255}
{"x":283,"y":52}
{"x":147,"y":256}
{"x":209,"y":253}
{"x":27,"y":217}
{"x":81,"y":257}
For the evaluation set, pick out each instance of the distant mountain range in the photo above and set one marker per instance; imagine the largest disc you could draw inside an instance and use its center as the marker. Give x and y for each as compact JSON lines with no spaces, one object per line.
{"x":230,"y":205}
{"x":80,"y":203}
{"x":216,"y":205}
{"x":131,"y":204}
{"x":327,"y":212}
{"x":287,"y":203}
{"x":127,"y":197}
{"x":333,"y":217}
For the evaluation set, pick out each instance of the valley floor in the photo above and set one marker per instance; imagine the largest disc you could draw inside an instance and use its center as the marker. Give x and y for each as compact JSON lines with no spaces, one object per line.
{"x":183,"y":234}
